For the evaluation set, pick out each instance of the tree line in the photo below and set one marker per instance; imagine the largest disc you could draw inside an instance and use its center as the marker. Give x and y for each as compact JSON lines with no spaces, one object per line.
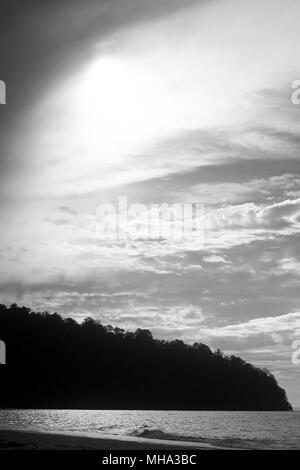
{"x":55,"y":362}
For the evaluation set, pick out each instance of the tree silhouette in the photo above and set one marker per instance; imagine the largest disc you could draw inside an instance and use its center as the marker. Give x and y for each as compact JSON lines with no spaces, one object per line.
{"x":57,"y":363}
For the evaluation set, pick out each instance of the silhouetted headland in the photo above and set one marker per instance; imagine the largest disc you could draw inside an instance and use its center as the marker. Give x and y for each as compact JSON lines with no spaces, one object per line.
{"x":57,"y":363}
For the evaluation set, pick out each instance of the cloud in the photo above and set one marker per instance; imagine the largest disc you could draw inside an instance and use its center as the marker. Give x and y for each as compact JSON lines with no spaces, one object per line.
{"x":256,"y":190}
{"x":140,"y":81}
{"x":281,"y":217}
{"x":214,"y":259}
{"x":67,"y":210}
{"x":257,"y":326}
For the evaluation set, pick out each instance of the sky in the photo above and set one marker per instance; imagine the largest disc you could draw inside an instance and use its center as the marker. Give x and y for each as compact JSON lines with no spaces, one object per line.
{"x":161,"y":101}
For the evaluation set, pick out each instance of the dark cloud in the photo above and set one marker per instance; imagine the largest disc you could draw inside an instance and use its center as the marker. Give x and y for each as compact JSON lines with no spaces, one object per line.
{"x":67,"y":210}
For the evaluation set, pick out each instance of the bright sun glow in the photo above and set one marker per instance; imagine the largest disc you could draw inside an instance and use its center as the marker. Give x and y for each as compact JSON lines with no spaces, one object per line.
{"x":115,"y":106}
{"x":116,"y":110}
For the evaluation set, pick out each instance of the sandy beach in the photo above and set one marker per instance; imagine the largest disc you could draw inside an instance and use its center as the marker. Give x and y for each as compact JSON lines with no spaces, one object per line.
{"x":23,"y":440}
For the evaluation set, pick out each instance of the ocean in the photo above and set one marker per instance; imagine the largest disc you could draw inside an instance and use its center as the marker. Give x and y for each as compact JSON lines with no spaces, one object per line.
{"x":237,"y":429}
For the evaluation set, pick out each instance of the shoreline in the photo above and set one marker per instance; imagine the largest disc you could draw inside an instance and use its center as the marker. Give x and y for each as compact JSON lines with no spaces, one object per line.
{"x":39,"y":440}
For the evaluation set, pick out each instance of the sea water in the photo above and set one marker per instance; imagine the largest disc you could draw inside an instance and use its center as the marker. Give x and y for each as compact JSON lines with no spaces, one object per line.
{"x":237,"y":429}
